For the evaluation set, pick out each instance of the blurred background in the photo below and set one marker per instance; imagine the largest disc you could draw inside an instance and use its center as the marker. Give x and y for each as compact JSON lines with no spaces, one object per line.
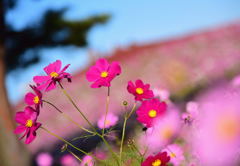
{"x":182,"y":46}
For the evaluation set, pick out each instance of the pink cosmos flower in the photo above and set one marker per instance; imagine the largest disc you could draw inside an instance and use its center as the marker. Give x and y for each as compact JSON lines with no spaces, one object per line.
{"x":176,"y":154}
{"x":140,"y":90}
{"x":216,"y":138}
{"x":111,"y":120}
{"x":161,"y":159}
{"x":44,"y":159}
{"x":103,"y":73}
{"x":150,"y":110}
{"x":34,"y":98}
{"x":87,"y":161}
{"x":54,"y":75}
{"x":28,"y":125}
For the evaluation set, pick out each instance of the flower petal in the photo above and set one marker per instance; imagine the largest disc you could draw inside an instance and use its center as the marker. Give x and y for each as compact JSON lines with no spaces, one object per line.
{"x":41,"y":79}
{"x":20,"y":129}
{"x":29,"y":97}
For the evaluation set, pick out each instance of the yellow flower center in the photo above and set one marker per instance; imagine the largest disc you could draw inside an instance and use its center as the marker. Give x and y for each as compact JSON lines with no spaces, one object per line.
{"x":172,"y":155}
{"x":228,"y":127}
{"x":104,"y":74}
{"x":152,"y":113}
{"x":54,"y":74}
{"x":36,"y":99}
{"x":157,"y":163}
{"x":167,"y":132}
{"x":107,"y":122}
{"x":29,"y":123}
{"x":139,"y":91}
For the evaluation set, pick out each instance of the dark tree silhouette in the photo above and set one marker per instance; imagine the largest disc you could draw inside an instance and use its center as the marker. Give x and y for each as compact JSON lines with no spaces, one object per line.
{"x":53,"y":30}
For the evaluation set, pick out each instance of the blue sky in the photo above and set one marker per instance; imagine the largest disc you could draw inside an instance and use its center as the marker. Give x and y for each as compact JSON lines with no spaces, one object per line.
{"x":133,"y":21}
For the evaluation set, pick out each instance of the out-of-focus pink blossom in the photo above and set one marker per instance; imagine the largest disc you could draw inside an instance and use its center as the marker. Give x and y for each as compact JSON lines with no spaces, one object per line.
{"x":111,"y":120}
{"x":87,"y":161}
{"x":236,"y":81}
{"x":163,"y":94}
{"x":68,"y":160}
{"x":216,"y":139}
{"x":162,"y":132}
{"x":176,"y":154}
{"x":191,"y":113}
{"x":44,"y":159}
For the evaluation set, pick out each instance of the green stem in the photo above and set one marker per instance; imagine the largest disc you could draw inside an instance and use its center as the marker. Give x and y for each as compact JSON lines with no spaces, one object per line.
{"x":65,"y":141}
{"x":126,"y":117}
{"x":73,"y":103}
{"x":95,"y":131}
{"x":67,"y":116}
{"x":107,"y":108}
{"x":74,"y":155}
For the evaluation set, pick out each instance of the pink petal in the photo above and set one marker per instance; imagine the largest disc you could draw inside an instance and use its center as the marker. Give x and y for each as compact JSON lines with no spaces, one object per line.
{"x":99,"y":83}
{"x":114,"y":69}
{"x":29,"y":98}
{"x":93,"y":74}
{"x":131,"y":87}
{"x":20,"y":129}
{"x":31,"y":113}
{"x":51,"y":86}
{"x":65,"y":68}
{"x":139,"y":83}
{"x":102,"y":64}
{"x":53,"y":67}
{"x":21,"y":118}
{"x":41,"y":79}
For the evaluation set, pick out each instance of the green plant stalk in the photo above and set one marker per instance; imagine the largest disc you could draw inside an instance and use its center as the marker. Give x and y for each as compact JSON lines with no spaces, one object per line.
{"x":107,"y":108}
{"x":65,"y":141}
{"x":68,"y":117}
{"x":90,"y":124}
{"x":126,"y":117}
{"x":74,"y":155}
{"x":73,"y":103}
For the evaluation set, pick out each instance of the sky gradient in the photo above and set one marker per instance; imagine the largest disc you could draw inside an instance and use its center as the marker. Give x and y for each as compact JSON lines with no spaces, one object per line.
{"x":135,"y":21}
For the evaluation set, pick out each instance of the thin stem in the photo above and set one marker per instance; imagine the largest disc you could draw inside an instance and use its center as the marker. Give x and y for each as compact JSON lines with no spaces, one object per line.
{"x":74,"y":155}
{"x":73,"y":103}
{"x":67,"y":117}
{"x":95,"y":131}
{"x":107,"y":108}
{"x":123,"y":135}
{"x":126,"y":117}
{"x":65,"y":141}
{"x":110,"y":148}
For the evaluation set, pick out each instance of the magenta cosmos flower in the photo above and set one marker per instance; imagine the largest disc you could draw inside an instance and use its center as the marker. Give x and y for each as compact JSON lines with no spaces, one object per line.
{"x":150,"y":110}
{"x":140,"y":90}
{"x":103,"y":73}
{"x":54,"y":75}
{"x":28,"y":125}
{"x":34,"y":98}
{"x":161,"y":159}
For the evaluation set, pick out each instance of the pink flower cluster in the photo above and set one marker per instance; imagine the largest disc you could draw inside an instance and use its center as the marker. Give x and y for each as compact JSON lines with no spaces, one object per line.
{"x":27,"y":119}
